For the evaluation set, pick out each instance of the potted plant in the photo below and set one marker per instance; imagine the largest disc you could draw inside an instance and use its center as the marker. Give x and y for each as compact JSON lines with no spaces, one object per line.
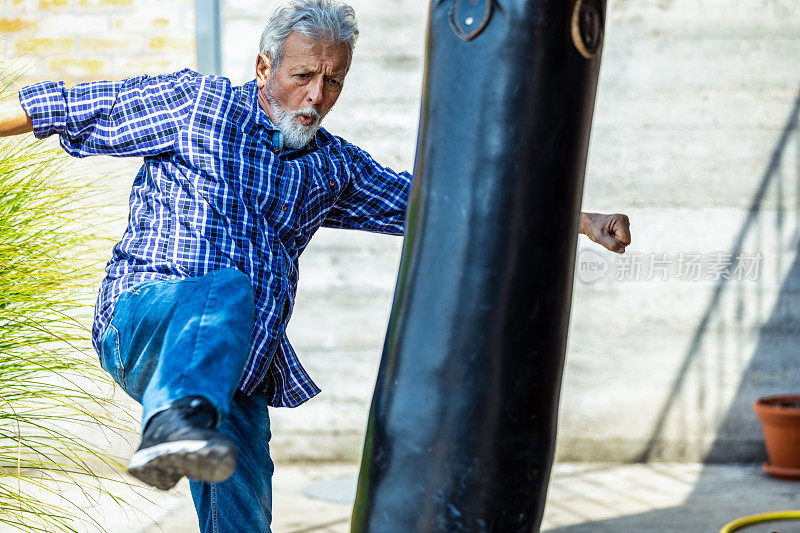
{"x":780,"y":420}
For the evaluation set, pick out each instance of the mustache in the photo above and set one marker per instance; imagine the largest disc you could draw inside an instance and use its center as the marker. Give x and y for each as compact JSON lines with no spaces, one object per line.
{"x":310,"y":111}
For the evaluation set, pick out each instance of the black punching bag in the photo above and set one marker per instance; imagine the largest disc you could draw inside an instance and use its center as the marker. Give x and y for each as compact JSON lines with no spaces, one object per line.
{"x":462,"y":426}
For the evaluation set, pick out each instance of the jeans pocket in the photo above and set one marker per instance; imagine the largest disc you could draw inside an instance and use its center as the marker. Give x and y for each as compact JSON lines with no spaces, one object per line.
{"x":110,"y":355}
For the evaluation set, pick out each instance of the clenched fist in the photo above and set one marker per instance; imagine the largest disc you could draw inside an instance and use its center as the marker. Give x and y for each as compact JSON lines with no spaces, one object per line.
{"x":611,"y":231}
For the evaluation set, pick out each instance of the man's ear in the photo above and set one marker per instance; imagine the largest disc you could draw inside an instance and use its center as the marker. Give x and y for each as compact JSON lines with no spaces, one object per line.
{"x":263,"y":70}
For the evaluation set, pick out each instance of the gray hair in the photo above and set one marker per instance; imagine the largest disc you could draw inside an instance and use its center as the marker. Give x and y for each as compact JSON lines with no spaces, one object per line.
{"x":316,"y":19}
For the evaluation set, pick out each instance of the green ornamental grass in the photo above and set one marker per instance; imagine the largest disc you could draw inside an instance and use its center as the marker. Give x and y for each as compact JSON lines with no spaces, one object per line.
{"x":54,"y":398}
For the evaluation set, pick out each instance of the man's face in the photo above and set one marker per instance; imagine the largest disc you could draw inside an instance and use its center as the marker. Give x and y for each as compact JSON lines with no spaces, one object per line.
{"x":304,"y":87}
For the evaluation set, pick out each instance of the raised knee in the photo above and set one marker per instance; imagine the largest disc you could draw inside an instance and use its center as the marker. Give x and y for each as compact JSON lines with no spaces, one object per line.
{"x":236,"y":286}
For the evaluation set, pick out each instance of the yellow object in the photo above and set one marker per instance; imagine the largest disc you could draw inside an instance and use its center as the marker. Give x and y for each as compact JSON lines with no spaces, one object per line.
{"x":758,"y":518}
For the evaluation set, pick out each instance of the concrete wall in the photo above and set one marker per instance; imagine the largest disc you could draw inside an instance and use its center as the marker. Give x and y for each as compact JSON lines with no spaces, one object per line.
{"x":695,"y":137}
{"x":346,"y":278}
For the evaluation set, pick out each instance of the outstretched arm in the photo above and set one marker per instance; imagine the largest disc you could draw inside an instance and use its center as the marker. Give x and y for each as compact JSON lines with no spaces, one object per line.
{"x":137,"y":116}
{"x":375,"y":199}
{"x":13,"y":118}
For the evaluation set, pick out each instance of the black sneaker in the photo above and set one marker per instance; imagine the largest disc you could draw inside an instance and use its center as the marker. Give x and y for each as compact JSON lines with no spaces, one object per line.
{"x":181,"y":441}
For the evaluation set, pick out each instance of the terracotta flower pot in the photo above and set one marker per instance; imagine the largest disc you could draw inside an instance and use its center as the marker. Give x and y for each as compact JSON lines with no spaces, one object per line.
{"x":780,"y":420}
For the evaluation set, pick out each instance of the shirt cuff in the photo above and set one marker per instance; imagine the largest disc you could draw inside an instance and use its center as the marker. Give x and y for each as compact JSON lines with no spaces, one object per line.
{"x":46,"y":106}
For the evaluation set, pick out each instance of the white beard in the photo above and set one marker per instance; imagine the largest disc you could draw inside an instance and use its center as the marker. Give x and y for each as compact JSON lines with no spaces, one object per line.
{"x":295,"y":135}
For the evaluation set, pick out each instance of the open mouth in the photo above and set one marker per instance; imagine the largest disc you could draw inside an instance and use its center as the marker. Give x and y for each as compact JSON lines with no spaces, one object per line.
{"x":306,"y":120}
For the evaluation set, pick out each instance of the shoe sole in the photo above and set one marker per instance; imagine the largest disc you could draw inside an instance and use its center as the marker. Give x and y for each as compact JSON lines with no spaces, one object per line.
{"x":163,"y":465}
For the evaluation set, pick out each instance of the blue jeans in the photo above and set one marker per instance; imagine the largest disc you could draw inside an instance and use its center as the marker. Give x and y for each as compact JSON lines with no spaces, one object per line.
{"x":173,"y":338}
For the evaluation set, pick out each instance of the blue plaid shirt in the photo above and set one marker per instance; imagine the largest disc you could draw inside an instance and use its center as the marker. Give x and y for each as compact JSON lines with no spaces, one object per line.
{"x":216,"y":190}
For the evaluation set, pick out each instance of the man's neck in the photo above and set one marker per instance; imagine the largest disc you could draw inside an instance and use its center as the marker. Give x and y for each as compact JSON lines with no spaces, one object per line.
{"x":263,"y":103}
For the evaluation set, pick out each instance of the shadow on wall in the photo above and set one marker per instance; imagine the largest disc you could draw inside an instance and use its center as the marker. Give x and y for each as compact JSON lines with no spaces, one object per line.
{"x":772,"y":368}
{"x":772,"y":222}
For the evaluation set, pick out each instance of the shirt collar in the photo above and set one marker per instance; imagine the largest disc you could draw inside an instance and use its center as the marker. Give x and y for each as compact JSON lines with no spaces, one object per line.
{"x":273,"y":133}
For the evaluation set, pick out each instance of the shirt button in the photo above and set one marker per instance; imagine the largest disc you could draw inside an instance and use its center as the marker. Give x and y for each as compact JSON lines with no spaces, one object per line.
{"x":285,"y":207}
{"x":331,"y":183}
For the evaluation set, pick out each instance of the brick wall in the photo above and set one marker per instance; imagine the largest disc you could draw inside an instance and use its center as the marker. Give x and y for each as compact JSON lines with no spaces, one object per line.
{"x":82,"y":40}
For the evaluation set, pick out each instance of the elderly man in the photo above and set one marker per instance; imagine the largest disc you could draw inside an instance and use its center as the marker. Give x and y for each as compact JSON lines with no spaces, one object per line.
{"x":191,"y":317}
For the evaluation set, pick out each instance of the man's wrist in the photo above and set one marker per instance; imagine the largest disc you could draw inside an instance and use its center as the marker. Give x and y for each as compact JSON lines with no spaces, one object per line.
{"x":13,"y":119}
{"x":584,"y":223}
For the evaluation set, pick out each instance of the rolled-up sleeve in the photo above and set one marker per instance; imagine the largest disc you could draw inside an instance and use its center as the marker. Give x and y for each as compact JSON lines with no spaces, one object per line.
{"x":45,"y":104}
{"x":374,"y":200}
{"x":132,"y":117}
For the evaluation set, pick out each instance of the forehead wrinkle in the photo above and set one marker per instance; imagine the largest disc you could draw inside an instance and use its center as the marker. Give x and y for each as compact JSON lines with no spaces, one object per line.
{"x":329,"y":70}
{"x":301,"y":52}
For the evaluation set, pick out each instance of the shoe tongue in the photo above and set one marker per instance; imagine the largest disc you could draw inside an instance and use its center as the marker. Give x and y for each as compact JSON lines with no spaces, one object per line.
{"x":198,"y":411}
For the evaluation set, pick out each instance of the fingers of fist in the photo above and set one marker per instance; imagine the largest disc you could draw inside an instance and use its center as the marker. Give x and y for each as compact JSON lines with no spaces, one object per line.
{"x":610,"y":231}
{"x":617,"y":230}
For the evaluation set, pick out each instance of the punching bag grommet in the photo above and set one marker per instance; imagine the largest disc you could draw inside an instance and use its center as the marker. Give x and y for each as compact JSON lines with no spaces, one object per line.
{"x":586,"y":27}
{"x":468,"y":18}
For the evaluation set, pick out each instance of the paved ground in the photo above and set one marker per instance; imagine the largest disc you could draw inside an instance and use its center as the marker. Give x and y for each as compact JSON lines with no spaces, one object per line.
{"x":583,"y":498}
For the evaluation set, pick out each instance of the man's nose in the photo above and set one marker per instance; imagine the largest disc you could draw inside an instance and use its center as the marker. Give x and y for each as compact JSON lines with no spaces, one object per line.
{"x":314,"y":95}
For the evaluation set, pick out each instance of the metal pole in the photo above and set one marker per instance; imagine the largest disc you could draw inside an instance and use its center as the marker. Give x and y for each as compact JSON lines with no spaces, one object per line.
{"x":462,"y":426}
{"x":208,"y":34}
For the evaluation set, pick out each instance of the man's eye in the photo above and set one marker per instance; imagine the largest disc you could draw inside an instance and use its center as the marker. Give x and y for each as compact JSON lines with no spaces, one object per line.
{"x":335,"y":83}
{"x":303,"y":75}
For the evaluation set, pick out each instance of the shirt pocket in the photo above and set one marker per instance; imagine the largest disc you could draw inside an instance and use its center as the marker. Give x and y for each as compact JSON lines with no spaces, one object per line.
{"x":323,"y":187}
